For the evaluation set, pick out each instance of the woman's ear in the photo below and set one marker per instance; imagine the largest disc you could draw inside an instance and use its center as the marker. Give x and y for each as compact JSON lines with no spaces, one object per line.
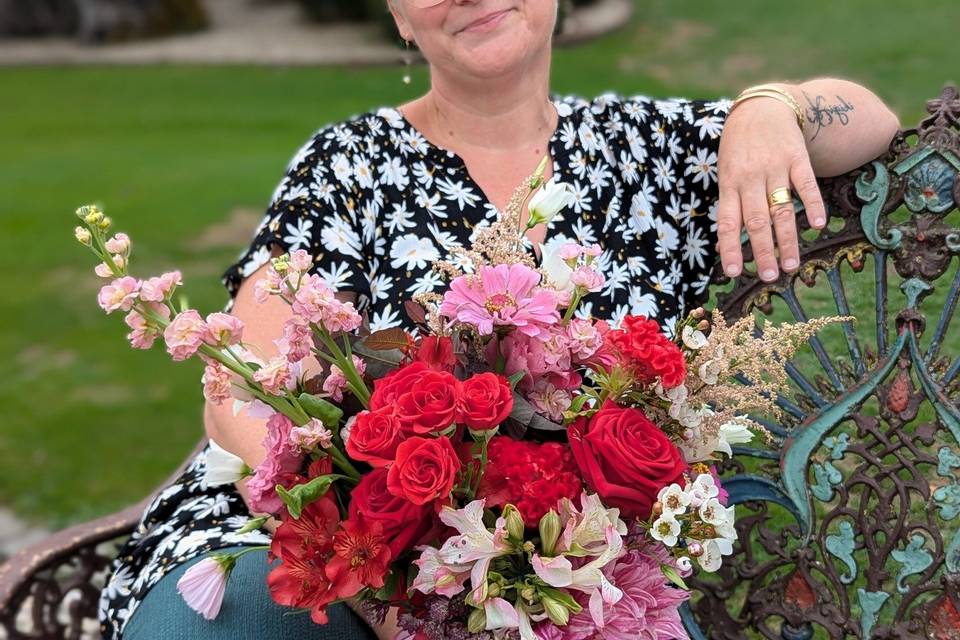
{"x":403,"y":27}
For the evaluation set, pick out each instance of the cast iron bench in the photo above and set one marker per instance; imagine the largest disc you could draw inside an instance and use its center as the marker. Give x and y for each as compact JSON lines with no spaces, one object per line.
{"x":849,"y":517}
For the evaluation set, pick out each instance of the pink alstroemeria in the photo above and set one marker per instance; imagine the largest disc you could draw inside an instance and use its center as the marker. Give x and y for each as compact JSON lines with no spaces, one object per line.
{"x":223,"y":330}
{"x":435,"y":575}
{"x":503,"y":296}
{"x":184,"y":334}
{"x":476,"y":545}
{"x":204,"y":584}
{"x":119,"y":294}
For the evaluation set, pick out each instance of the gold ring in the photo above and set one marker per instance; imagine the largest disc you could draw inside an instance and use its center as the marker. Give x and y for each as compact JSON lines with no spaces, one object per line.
{"x":779,"y":196}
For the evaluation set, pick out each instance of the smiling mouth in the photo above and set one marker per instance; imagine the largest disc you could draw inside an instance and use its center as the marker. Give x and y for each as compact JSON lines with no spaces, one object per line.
{"x":485,"y":20}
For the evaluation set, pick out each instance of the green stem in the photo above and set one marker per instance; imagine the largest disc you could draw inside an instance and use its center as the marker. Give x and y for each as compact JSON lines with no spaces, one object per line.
{"x":572,"y":307}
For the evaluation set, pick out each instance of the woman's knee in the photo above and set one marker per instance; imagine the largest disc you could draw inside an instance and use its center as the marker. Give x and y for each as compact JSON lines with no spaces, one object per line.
{"x":247,"y":612}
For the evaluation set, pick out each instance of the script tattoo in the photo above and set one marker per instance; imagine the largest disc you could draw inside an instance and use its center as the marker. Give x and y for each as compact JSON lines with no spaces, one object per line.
{"x":822,"y":114}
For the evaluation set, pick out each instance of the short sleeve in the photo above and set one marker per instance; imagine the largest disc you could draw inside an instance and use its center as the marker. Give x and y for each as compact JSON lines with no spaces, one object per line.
{"x":311,"y":209}
{"x":673,"y":145}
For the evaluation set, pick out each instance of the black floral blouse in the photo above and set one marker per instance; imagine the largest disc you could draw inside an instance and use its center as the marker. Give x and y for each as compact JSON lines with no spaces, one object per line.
{"x":376,"y":203}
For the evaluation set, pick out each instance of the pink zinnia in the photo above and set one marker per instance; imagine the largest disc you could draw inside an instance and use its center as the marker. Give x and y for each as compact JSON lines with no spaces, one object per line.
{"x":504,"y":295}
{"x":184,"y":334}
{"x":648,"y":610}
{"x":119,"y":294}
{"x":204,"y":584}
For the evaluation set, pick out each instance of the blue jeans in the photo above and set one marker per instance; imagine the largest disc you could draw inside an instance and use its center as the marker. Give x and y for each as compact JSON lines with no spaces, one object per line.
{"x":248,"y":612}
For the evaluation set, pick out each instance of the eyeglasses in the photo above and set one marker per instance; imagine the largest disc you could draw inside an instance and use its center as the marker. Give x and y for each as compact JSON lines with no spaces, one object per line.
{"x":425,"y":4}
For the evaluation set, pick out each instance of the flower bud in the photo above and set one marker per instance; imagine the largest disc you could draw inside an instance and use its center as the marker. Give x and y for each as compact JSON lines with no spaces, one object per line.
{"x":695,"y":549}
{"x":556,"y":611}
{"x":684,"y":564}
{"x":514,"y":520}
{"x":703,"y":325}
{"x":549,"y":532}
{"x":494,"y":590}
{"x":548,"y":201}
{"x":529,"y":594}
{"x":477,"y":621}
{"x":120,"y":261}
{"x":93,"y":216}
{"x":657,"y":508}
{"x":85,"y":210}
{"x":698,"y":313}
{"x":83,"y":235}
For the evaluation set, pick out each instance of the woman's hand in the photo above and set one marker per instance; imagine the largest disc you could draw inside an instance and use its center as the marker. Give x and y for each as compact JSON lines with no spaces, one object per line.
{"x":762,"y":149}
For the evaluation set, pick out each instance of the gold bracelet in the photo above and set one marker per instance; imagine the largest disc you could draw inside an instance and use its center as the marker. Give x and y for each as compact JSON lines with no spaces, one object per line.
{"x":768,"y":91}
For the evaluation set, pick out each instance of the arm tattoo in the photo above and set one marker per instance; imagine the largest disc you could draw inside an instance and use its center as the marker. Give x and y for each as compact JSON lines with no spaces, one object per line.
{"x":822,"y":113}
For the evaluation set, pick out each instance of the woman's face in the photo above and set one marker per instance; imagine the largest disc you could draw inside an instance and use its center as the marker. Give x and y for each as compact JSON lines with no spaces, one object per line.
{"x":480,"y":38}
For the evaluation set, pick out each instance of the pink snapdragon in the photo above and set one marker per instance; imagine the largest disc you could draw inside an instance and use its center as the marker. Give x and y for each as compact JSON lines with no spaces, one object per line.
{"x":503,"y":296}
{"x":119,"y":243}
{"x":184,"y":334}
{"x":204,"y":584}
{"x":307,"y":437}
{"x":223,"y":330}
{"x":161,"y":287}
{"x":274,"y":376}
{"x":119,"y":294}
{"x":216,"y":383}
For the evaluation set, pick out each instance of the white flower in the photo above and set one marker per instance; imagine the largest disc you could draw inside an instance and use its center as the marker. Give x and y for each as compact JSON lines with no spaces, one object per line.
{"x":666,"y":529}
{"x":712,"y":512}
{"x":733,"y":433}
{"x":475,"y":545}
{"x":710,"y":371}
{"x":693,"y":339}
{"x":587,"y":528}
{"x":674,"y":500}
{"x":557,"y":270}
{"x":223,"y":467}
{"x":713,"y":552}
{"x":702,"y":489}
{"x":547,"y":202}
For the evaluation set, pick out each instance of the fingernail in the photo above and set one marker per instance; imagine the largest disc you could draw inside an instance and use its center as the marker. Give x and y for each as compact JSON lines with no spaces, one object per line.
{"x":732,"y":270}
{"x":769,"y":274}
{"x":818,"y":222}
{"x":790,"y":263}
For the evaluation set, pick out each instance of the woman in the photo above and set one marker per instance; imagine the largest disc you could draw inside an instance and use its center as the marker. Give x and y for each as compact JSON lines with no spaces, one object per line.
{"x":378,"y":197}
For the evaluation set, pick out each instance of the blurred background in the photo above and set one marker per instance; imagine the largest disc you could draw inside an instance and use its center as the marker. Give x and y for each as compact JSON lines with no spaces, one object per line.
{"x":179,"y":116}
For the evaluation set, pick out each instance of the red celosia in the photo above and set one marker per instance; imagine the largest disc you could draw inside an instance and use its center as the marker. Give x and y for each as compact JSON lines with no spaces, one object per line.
{"x":648,"y":353}
{"x":531,"y":476}
{"x":361,"y":558}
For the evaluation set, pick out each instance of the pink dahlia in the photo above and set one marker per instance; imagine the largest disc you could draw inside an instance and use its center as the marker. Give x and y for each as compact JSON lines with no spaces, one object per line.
{"x":648,"y":610}
{"x":504,"y":295}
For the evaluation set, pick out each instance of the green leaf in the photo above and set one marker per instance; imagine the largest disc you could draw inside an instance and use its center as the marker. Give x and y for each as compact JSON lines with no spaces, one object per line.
{"x":327,"y":412}
{"x":516,"y":378}
{"x":674,"y":577}
{"x":253,"y":524}
{"x":299,"y":496}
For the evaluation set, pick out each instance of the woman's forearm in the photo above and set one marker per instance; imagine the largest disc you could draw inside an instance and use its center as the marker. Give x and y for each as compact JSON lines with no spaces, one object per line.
{"x":845,"y":123}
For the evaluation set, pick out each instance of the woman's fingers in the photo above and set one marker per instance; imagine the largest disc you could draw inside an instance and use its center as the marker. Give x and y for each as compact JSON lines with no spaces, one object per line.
{"x":756,"y":219}
{"x":805,"y":182}
{"x":728,"y":232}
{"x":783,"y":218}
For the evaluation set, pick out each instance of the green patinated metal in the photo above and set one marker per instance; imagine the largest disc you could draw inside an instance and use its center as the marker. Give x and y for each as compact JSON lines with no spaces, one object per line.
{"x":870,"y":604}
{"x":841,"y":545}
{"x":915,"y":558}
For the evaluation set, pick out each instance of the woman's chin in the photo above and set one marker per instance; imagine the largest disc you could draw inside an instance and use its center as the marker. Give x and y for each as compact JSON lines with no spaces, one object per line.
{"x":494,"y":58}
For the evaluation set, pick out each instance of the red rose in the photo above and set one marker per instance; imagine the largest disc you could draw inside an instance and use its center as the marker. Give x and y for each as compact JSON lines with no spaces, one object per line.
{"x":437,"y":353}
{"x":425,"y":470}
{"x":404,"y":523}
{"x":649,"y":353}
{"x":431,"y":402}
{"x":625,"y":458}
{"x":387,"y":389}
{"x":485,"y":401}
{"x":375,"y":436}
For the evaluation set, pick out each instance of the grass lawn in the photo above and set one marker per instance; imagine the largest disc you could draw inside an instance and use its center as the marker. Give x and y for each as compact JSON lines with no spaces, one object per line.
{"x":186,"y":158}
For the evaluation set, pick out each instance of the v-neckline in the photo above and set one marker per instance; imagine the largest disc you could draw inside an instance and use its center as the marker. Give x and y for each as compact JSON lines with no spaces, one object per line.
{"x":442,"y":154}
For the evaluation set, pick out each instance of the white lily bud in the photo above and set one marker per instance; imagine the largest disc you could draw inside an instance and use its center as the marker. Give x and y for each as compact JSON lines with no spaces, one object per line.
{"x":548,"y":201}
{"x":223,"y":467}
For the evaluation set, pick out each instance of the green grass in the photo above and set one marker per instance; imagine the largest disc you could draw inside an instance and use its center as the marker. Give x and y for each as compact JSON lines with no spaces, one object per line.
{"x":90,"y":425}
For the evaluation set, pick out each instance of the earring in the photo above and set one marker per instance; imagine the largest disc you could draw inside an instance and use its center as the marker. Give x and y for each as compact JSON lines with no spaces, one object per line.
{"x":406,"y":62}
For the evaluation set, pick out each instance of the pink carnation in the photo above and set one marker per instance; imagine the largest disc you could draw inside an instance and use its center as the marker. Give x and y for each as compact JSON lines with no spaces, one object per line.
{"x":504,"y":295}
{"x":648,"y":610}
{"x":223,"y":330}
{"x":119,"y":294}
{"x":184,"y":334}
{"x":216,"y":383}
{"x":281,"y":463}
{"x":161,"y":287}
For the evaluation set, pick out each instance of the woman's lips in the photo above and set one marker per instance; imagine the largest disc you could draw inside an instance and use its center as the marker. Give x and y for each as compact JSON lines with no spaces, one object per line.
{"x":486,"y":23}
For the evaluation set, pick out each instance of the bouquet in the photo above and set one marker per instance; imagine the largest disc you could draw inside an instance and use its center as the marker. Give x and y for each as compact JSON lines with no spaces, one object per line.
{"x":511,"y":469}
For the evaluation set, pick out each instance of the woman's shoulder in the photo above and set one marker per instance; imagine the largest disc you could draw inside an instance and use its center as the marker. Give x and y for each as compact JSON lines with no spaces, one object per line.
{"x":643,"y":107}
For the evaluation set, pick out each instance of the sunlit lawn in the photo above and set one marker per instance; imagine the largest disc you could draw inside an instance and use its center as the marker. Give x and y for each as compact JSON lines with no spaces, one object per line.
{"x":186,"y":158}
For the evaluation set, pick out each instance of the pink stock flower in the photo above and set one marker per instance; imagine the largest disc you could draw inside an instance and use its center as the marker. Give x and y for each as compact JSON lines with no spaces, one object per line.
{"x":275,"y":376}
{"x":119,"y":243}
{"x":204,"y":584}
{"x":301,"y":261}
{"x":144,"y":332}
{"x":223,"y":330}
{"x":307,"y":437}
{"x":296,"y":341}
{"x":119,"y":294}
{"x":504,"y":295}
{"x":570,"y":251}
{"x":161,"y":287}
{"x":312,"y":298}
{"x":592,"y":250}
{"x":184,"y":334}
{"x":267,"y":286}
{"x":585,"y":339}
{"x":340,"y":316}
{"x":648,"y":609}
{"x":103,"y":270}
{"x":587,"y":278}
{"x":550,"y":401}
{"x":216,"y":383}
{"x":335,"y":383}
